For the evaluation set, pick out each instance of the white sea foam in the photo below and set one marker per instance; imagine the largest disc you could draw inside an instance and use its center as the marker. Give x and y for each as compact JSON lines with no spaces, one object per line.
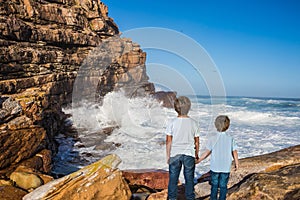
{"x":142,"y":123}
{"x":262,"y":118}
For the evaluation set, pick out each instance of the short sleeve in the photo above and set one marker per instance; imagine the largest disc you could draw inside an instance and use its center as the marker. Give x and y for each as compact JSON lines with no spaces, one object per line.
{"x":169,"y":128}
{"x":197,"y":130}
{"x":234,"y":146}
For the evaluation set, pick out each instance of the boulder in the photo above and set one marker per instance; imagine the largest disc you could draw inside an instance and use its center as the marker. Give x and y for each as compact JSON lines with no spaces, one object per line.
{"x":4,"y":182}
{"x":26,"y":181}
{"x":40,"y":162}
{"x":283,"y":183}
{"x":20,"y":144}
{"x":25,"y":133}
{"x":45,"y":178}
{"x":265,"y":163}
{"x":152,"y":178}
{"x":162,"y":195}
{"x":11,"y":193}
{"x":100,"y":180}
{"x":166,"y":98}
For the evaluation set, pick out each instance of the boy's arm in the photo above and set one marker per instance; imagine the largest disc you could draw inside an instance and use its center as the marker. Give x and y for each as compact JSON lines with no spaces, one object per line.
{"x":203,"y":156}
{"x":196,"y":147}
{"x":168,"y":147}
{"x":236,"y":160}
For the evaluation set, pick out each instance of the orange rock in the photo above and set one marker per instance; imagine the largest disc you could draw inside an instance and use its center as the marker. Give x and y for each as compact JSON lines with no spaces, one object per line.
{"x":11,"y":193}
{"x":21,"y":144}
{"x":100,"y":180}
{"x":283,"y":183}
{"x":152,"y":178}
{"x":97,"y":24}
{"x":164,"y":194}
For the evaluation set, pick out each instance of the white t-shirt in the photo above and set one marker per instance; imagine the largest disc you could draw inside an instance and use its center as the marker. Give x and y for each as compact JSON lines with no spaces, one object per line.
{"x":221,"y":147}
{"x":183,"y":131}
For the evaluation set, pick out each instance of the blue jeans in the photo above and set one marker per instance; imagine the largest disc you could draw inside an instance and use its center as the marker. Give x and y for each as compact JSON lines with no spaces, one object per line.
{"x":218,"y":180}
{"x":175,"y":165}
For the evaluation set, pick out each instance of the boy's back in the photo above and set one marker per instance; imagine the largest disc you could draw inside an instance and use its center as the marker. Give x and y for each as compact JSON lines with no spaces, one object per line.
{"x":183,"y":131}
{"x":221,"y":148}
{"x":182,"y":146}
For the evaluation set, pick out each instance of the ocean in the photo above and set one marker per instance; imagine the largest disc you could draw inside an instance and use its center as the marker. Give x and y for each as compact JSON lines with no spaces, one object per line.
{"x":259,"y":126}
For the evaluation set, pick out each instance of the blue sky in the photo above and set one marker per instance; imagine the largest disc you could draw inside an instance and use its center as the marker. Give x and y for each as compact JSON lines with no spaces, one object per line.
{"x":254,"y":44}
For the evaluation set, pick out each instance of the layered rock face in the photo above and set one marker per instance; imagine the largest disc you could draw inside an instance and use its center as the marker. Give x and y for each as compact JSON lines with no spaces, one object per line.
{"x":128,"y":72}
{"x":116,"y":64}
{"x":53,"y":52}
{"x":43,"y":45}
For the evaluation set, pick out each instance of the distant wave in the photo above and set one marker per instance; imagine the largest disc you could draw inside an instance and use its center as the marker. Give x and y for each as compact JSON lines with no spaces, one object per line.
{"x":258,"y":118}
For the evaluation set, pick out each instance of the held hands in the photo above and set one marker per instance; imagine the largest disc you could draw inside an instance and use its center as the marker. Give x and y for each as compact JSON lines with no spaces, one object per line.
{"x":197,"y":160}
{"x":202,"y":157}
{"x":236,"y":166}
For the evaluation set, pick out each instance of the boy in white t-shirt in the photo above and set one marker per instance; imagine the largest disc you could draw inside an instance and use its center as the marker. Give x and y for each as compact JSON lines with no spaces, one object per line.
{"x":182,"y":146}
{"x":222,"y":148}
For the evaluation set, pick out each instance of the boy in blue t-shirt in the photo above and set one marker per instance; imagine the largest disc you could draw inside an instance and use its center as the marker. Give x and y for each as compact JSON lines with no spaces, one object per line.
{"x":221,"y":148}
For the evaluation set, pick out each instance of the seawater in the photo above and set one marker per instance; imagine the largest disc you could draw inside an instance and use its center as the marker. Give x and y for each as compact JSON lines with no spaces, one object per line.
{"x":259,"y":126}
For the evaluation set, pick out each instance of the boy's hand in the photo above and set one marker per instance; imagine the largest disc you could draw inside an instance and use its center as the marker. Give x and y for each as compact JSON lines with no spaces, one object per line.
{"x":196,"y":159}
{"x":236,"y":167}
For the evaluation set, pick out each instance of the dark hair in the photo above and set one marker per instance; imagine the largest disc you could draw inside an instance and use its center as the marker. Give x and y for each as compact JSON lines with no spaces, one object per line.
{"x":182,"y":105}
{"x":222,"y":123}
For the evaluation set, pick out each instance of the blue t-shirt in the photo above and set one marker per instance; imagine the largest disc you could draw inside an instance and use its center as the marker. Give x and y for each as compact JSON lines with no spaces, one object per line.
{"x":183,"y":131}
{"x":221,"y":147}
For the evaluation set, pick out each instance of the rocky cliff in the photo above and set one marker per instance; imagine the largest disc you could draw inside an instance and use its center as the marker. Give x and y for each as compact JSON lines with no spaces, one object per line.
{"x":44,"y":45}
{"x":53,"y":52}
